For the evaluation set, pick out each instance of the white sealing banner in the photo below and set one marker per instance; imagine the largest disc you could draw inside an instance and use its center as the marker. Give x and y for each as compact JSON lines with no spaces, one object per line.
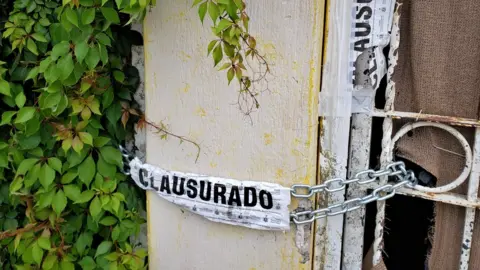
{"x":256,"y":205}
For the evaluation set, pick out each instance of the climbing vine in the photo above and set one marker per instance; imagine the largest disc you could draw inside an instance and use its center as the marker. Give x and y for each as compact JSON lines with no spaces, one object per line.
{"x":66,"y":90}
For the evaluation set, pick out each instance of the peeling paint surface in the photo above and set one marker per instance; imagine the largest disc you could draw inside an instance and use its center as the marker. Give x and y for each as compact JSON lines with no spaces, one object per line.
{"x":277,"y":144}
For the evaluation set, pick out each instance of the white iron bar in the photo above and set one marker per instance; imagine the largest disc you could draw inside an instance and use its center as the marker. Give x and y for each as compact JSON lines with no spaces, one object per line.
{"x":455,"y":121}
{"x":359,"y":157}
{"x":472,"y":195}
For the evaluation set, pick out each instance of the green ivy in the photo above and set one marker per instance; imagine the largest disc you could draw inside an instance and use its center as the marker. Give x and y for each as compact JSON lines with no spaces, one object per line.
{"x":66,"y":90}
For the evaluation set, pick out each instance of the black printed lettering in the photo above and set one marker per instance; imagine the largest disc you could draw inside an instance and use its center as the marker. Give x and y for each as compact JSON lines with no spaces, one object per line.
{"x":234,"y":197}
{"x":165,"y":187}
{"x":364,"y":25}
{"x":192,"y":188}
{"x":205,"y":193}
{"x":176,"y":189}
{"x":249,"y":197}
{"x":152,"y":184}
{"x":141,"y":174}
{"x":361,"y":45}
{"x":366,"y":12}
{"x":219,"y":191}
{"x":364,"y":1}
{"x":269,"y":199}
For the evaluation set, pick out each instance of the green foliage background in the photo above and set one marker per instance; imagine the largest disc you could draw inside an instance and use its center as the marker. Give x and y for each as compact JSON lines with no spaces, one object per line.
{"x":66,"y":87}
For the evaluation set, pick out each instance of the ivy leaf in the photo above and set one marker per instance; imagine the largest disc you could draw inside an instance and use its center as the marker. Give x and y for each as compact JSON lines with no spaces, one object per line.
{"x":86,"y":196}
{"x":87,"y":263}
{"x":88,"y":15}
{"x":86,"y":138}
{"x":25,"y":114}
{"x":81,"y":51}
{"x":20,"y":100}
{"x":33,"y":73}
{"x":230,"y":75}
{"x":26,"y":165}
{"x":47,"y":175}
{"x":59,"y":202}
{"x":100,"y":141}
{"x":105,"y":169}
{"x":68,"y":177}
{"x":196,"y":2}
{"x":213,"y":11}
{"x":110,"y":14}
{"x":77,"y":144}
{"x":223,"y":24}
{"x":37,"y":253}
{"x":31,"y":46}
{"x":72,"y":192}
{"x":56,"y":164}
{"x":211,"y":45}
{"x":95,"y":207}
{"x":4,"y":87}
{"x":66,"y":66}
{"x":60,"y":49}
{"x":66,"y":144}
{"x":92,"y":58}
{"x":108,"y":221}
{"x":66,"y":265}
{"x":119,"y":76}
{"x":103,"y":248}
{"x":103,"y":39}
{"x":7,"y":117}
{"x":95,"y":106}
{"x":84,"y":240}
{"x":103,"y":53}
{"x":39,"y":37}
{"x":112,"y":155}
{"x":87,"y":170}
{"x":44,"y":242}
{"x":72,"y":16}
{"x":217,"y":54}
{"x":50,"y":261}
{"x":16,"y":184}
{"x":202,"y":11}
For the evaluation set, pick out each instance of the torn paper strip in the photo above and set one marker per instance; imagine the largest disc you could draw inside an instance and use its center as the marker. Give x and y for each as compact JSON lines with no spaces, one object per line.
{"x":256,"y":205}
{"x":372,"y":24}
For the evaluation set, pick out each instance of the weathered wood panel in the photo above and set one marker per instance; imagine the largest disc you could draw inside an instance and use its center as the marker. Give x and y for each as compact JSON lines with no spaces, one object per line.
{"x":277,"y":144}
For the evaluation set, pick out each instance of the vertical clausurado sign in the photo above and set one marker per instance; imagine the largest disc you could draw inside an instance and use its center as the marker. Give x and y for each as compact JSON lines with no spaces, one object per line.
{"x":277,"y":143}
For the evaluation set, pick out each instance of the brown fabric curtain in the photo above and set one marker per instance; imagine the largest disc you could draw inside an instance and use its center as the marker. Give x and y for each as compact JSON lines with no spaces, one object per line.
{"x":439,"y":73}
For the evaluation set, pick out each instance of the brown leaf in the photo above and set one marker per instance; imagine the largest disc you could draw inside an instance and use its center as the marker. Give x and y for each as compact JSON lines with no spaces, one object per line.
{"x":125,"y":117}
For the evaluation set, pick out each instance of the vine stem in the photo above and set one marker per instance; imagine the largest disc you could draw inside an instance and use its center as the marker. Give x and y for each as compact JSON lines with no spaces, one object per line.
{"x":181,"y":138}
{"x":31,"y":227}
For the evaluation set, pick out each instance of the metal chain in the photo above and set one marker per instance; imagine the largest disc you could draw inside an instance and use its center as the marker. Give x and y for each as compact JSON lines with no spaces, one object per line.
{"x":397,"y":169}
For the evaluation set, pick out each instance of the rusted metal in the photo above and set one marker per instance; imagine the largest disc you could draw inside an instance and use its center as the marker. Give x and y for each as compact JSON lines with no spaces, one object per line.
{"x":447,"y":197}
{"x":451,"y":120}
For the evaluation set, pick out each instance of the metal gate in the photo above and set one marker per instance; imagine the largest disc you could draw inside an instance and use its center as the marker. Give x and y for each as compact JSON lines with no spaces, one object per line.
{"x":346,"y":140}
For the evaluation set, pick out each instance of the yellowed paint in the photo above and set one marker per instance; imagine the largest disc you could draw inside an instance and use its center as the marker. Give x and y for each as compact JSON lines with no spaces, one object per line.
{"x":295,"y":66}
{"x":325,"y":31}
{"x":267,"y":138}
{"x":279,"y":173}
{"x":185,"y":57}
{"x":213,"y":164}
{"x":186,"y":89}
{"x":201,"y":112}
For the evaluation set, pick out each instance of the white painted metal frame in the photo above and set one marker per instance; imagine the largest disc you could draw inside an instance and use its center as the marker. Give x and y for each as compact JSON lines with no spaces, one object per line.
{"x":359,"y":155}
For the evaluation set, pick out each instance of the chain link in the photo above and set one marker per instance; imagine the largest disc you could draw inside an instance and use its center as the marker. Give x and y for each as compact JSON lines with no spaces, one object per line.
{"x":381,"y":193}
{"x":397,"y":169}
